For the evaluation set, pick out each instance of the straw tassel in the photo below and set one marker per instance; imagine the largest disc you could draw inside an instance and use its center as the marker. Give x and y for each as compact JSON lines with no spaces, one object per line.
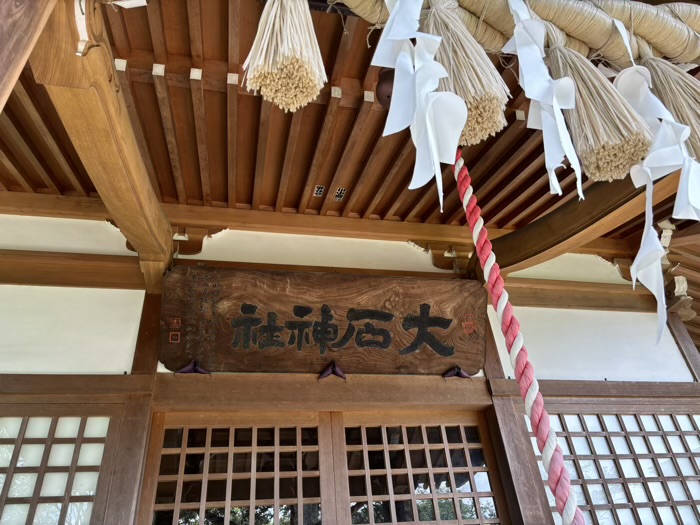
{"x":679,"y":92}
{"x":471,"y":75}
{"x":607,"y":133}
{"x":285,"y":62}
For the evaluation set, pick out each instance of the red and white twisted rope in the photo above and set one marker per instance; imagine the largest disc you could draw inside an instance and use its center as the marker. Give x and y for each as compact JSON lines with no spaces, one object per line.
{"x":552,"y":457}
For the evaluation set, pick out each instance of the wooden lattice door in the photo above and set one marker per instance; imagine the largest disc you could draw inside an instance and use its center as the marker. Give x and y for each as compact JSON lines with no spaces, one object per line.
{"x":325,"y":468}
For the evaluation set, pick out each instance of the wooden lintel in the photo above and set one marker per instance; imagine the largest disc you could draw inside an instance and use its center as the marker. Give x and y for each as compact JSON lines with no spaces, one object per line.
{"x":306,"y":392}
{"x":646,"y":391}
{"x":83,"y":86}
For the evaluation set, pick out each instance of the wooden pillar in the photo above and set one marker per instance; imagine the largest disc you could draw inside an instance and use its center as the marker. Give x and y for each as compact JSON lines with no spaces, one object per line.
{"x":72,"y":58}
{"x":685,"y":344}
{"x":522,"y":482}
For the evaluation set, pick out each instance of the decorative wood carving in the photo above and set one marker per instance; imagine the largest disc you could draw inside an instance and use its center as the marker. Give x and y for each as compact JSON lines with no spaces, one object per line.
{"x":240,"y":321}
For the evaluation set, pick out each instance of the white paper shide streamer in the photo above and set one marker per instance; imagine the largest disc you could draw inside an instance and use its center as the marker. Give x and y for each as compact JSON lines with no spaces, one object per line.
{"x":668,"y":153}
{"x":548,"y":97}
{"x":436,"y":120}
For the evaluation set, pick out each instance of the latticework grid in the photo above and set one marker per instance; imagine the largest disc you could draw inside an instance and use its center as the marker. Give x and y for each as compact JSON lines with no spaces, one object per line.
{"x":422,"y":473}
{"x":233,"y":475}
{"x":629,"y":469}
{"x":49,"y":468}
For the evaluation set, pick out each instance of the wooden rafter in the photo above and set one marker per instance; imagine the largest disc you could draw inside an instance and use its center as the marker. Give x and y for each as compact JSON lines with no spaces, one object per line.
{"x":263,"y":153}
{"x":292,"y":141}
{"x":166,"y":114}
{"x":124,"y":76}
{"x":23,"y":107}
{"x":26,"y":183}
{"x":352,"y":151}
{"x":22,"y":151}
{"x":92,"y":109}
{"x":200,"y":125}
{"x":403,"y":162}
{"x":231,"y":135}
{"x":21,"y":24}
{"x":320,"y":153}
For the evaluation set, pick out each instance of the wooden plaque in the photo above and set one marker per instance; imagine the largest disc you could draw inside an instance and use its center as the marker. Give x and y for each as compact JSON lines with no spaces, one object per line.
{"x":245,"y":321}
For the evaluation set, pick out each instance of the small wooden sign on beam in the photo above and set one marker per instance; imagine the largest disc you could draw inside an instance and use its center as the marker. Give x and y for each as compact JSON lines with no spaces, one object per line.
{"x":246,"y":321}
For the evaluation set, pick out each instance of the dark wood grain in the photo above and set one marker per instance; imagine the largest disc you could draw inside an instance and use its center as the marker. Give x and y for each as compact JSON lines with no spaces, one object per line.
{"x":206,"y":301}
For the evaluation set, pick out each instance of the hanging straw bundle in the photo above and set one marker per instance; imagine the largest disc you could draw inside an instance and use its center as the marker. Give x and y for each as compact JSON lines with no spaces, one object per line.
{"x":679,"y":92}
{"x":285,"y":62}
{"x":471,"y":75}
{"x":607,"y":133}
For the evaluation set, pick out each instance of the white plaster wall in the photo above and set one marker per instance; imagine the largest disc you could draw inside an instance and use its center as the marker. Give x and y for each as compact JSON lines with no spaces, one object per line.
{"x":594,"y":345}
{"x":574,"y":267}
{"x":47,"y":330}
{"x":334,"y":252}
{"x":61,"y":235}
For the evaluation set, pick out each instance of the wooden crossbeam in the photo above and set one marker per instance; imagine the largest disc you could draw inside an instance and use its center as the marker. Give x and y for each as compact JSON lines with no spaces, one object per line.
{"x":21,"y":24}
{"x":87,"y":208}
{"x":606,"y":207}
{"x":166,"y":115}
{"x":93,"y":111}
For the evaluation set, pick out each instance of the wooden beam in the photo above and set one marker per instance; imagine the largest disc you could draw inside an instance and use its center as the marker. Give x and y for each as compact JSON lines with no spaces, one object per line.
{"x":579,"y":295}
{"x":73,"y":385}
{"x":637,"y":392}
{"x":21,"y":24}
{"x":521,"y":197}
{"x":22,"y":106}
{"x":320,"y":154}
{"x":124,"y":76}
{"x":16,"y":203}
{"x":606,"y":207}
{"x":232,"y":133}
{"x":166,"y":115}
{"x":26,"y":183}
{"x":70,"y":269}
{"x":263,"y":152}
{"x":292,"y":141}
{"x":200,"y":126}
{"x":93,"y":111}
{"x":306,"y":392}
{"x":22,"y":151}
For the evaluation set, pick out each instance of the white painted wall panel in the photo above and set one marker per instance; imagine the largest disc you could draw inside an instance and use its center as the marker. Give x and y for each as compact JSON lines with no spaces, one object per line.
{"x":47,"y":330}
{"x":594,"y":345}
